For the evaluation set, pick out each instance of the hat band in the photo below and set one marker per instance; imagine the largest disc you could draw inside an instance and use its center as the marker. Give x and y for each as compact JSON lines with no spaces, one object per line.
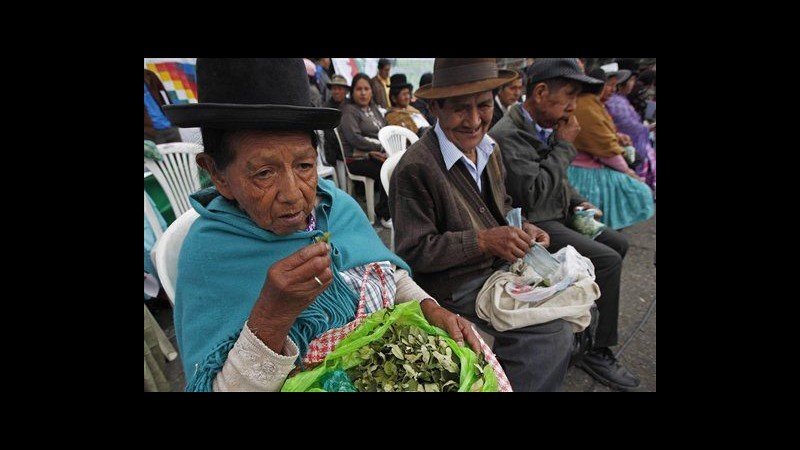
{"x":448,"y":76}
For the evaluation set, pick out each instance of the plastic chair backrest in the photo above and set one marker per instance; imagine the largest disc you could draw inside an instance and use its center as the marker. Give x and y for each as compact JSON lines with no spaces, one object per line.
{"x":323,"y":170}
{"x":193,"y":135}
{"x":150,"y":215}
{"x":341,"y":149}
{"x":177,"y":173}
{"x":388,"y":167}
{"x":386,"y":175}
{"x":369,"y":183}
{"x":168,"y":249}
{"x":393,"y":138}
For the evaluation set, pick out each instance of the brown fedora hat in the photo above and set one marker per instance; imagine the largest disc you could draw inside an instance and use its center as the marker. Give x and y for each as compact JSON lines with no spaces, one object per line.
{"x":453,"y":77}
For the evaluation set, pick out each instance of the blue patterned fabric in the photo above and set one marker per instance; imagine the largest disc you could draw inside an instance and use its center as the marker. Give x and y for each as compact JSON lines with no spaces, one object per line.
{"x":624,"y":201}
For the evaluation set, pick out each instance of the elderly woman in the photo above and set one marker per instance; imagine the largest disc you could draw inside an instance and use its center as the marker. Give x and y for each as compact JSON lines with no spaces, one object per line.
{"x":402,"y":113}
{"x":361,"y":122}
{"x":253,"y":287}
{"x":599,"y":172}
{"x":629,"y":121}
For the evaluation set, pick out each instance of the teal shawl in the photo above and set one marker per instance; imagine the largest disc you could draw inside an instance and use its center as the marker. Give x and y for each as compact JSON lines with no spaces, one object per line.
{"x":224,"y":262}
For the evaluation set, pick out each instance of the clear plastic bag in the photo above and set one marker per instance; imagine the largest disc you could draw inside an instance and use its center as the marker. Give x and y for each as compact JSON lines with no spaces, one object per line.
{"x":584,"y":222}
{"x":630,"y":154}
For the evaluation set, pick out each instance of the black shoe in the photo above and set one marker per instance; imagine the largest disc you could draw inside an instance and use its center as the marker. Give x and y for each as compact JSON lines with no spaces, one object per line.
{"x":603,"y":366}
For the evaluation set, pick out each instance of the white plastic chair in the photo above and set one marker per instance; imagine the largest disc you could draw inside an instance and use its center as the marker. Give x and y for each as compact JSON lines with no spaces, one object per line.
{"x":386,"y":175}
{"x":369,"y":183}
{"x":193,"y":135}
{"x":177,"y":173}
{"x":152,"y":219}
{"x":393,"y":138}
{"x":341,"y":174}
{"x":323,"y":170}
{"x":167,"y":250}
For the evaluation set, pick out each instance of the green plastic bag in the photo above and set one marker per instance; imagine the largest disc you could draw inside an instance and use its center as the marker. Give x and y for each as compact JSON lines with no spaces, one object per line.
{"x":372,"y":328}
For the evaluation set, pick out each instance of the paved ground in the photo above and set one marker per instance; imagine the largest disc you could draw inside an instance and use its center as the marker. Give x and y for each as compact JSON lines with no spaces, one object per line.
{"x":637,"y":322}
{"x":637,"y":318}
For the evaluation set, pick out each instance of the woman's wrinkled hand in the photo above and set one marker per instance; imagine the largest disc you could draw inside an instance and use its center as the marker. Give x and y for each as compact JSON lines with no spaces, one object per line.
{"x":456,"y":326}
{"x":291,"y":283}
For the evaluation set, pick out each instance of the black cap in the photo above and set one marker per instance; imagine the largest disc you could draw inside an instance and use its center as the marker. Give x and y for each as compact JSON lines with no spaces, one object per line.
{"x":547,"y":68}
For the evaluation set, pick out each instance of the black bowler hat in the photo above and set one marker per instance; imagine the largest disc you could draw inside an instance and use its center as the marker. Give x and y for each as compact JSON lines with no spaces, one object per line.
{"x":397,"y":83}
{"x":629,"y":64}
{"x":252,"y":93}
{"x":613,"y":70}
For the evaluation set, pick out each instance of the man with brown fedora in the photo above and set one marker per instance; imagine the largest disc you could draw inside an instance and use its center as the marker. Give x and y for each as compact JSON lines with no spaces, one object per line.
{"x":537,"y":139}
{"x":448,"y":201}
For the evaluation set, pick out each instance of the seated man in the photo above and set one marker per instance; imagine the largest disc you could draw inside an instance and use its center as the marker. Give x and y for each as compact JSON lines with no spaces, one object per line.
{"x":449,"y":203}
{"x":537,"y":141}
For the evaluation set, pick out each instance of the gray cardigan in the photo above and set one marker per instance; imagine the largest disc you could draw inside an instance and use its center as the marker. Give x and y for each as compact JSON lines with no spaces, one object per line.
{"x":358,"y":132}
{"x":537,"y":172}
{"x":437,"y":213}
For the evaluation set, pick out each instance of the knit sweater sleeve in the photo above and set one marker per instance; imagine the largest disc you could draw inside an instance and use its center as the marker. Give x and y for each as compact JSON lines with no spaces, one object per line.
{"x":407,"y":288}
{"x":352,"y":135}
{"x":252,"y":366}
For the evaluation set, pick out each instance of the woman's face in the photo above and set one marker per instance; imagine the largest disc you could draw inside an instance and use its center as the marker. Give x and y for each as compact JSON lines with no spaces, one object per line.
{"x":403,"y":98}
{"x":609,"y":89}
{"x":273,"y":177}
{"x":627,"y":87}
{"x":362,"y":92}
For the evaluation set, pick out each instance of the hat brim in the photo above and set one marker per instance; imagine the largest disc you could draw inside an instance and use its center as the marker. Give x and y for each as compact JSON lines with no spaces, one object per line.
{"x":261,"y":117}
{"x":581,"y":78}
{"x":338,"y":84}
{"x":622,"y":75}
{"x":428,"y":92}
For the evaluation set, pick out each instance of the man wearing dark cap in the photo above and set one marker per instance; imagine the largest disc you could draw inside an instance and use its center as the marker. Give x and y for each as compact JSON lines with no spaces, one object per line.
{"x":537,"y":141}
{"x":380,"y":84}
{"x":448,"y":201}
{"x":338,"y":88}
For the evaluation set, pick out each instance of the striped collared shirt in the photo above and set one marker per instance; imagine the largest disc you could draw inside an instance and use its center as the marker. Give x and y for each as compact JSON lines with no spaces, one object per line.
{"x":452,"y":154}
{"x":544,"y":133}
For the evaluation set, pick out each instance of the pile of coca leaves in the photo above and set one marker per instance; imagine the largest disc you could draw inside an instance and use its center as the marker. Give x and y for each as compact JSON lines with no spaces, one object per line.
{"x":407,"y":359}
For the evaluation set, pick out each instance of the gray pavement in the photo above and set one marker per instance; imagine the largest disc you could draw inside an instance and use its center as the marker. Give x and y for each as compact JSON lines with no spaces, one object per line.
{"x":637,"y":321}
{"x":637,"y":316}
